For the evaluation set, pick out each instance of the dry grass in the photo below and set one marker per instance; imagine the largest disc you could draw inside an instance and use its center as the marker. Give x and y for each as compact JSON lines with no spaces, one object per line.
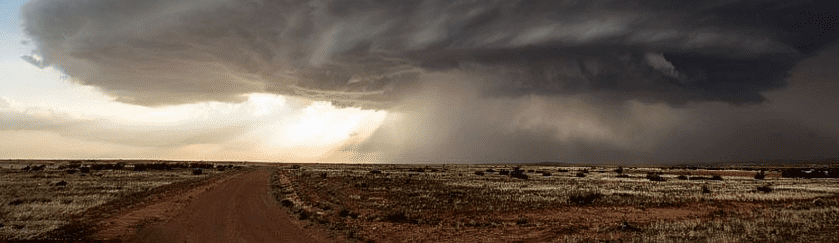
{"x":455,"y":203}
{"x":32,"y":203}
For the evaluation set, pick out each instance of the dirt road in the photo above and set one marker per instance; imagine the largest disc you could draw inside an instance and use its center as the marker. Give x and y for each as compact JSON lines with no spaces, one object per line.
{"x":238,"y":210}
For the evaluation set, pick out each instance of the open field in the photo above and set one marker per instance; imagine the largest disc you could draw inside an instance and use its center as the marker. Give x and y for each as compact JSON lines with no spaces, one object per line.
{"x":466,"y":203}
{"x":424,"y":203}
{"x":37,"y":200}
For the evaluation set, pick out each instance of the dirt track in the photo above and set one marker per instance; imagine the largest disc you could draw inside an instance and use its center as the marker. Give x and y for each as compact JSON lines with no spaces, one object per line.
{"x":237,"y":210}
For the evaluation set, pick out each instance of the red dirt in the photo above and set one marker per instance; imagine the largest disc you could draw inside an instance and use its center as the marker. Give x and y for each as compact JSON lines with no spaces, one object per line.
{"x":236,"y":209}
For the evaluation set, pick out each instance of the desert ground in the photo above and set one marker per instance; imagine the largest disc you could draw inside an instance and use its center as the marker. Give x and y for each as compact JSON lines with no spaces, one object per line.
{"x":165,"y":201}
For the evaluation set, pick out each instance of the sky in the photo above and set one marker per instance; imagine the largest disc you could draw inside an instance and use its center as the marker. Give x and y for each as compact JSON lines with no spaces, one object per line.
{"x":598,"y":81}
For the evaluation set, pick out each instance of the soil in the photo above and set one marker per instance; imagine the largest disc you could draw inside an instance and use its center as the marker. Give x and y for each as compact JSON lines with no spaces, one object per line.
{"x":237,"y":208}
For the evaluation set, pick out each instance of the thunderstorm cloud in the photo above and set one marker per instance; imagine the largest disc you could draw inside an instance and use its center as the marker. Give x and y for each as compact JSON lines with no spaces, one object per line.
{"x":580,"y":79}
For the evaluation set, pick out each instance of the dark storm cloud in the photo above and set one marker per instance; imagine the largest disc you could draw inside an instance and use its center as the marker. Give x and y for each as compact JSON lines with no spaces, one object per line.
{"x":602,"y":80}
{"x":370,"y":53}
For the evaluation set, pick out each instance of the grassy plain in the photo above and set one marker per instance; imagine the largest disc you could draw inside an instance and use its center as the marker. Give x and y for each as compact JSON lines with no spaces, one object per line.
{"x":34,"y":203}
{"x":453,"y":203}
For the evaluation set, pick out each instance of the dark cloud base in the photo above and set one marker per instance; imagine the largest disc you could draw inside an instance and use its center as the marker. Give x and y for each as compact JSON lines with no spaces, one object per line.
{"x":368,"y":53}
{"x":461,"y":73}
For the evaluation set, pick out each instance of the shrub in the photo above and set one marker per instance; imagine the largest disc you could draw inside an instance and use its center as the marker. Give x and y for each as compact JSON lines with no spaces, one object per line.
{"x":585,"y":198}
{"x":545,"y":173}
{"x":26,"y":168}
{"x":619,"y":170}
{"x":397,"y":217}
{"x":286,"y":203}
{"x":480,"y":173}
{"x":344,"y":213}
{"x":818,"y":202}
{"x":760,"y":175}
{"x":581,"y":174}
{"x":682,"y":177}
{"x":61,"y":183}
{"x":561,"y":170}
{"x":519,"y":175}
{"x":15,"y":202}
{"x":71,"y":171}
{"x":375,"y":172}
{"x":504,"y":172}
{"x":654,"y":177}
{"x":764,"y":189}
{"x":622,"y":176}
{"x":490,"y":170}
{"x":705,"y":189}
{"x":522,"y":220}
{"x":716,"y":177}
{"x":85,"y":169}
{"x":139,"y":167}
{"x":197,"y":171}
{"x":624,"y":225}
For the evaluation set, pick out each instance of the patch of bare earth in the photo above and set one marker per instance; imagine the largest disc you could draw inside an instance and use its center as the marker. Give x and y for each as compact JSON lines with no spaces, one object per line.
{"x":237,"y":209}
{"x":157,"y":208}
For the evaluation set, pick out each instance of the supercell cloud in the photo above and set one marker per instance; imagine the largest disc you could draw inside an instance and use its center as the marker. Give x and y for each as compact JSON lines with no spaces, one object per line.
{"x":596,"y":80}
{"x":370,"y":53}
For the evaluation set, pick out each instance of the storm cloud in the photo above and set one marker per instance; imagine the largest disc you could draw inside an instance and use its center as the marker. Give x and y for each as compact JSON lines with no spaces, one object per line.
{"x":369,"y":53}
{"x":602,"y":80}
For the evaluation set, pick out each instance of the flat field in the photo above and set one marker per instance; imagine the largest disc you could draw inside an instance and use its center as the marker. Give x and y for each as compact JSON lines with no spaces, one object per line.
{"x":466,"y":203}
{"x":37,"y":200}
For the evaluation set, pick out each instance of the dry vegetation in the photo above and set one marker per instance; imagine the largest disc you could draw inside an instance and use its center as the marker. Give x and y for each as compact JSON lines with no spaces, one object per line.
{"x":38,"y":198}
{"x":393,"y":203}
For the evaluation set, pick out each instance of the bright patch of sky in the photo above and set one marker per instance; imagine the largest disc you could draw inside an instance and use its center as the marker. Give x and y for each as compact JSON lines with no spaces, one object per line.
{"x":44,"y":109}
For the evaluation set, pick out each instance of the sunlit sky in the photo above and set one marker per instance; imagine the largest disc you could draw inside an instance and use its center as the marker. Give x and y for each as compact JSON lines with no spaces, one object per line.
{"x":45,"y":114}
